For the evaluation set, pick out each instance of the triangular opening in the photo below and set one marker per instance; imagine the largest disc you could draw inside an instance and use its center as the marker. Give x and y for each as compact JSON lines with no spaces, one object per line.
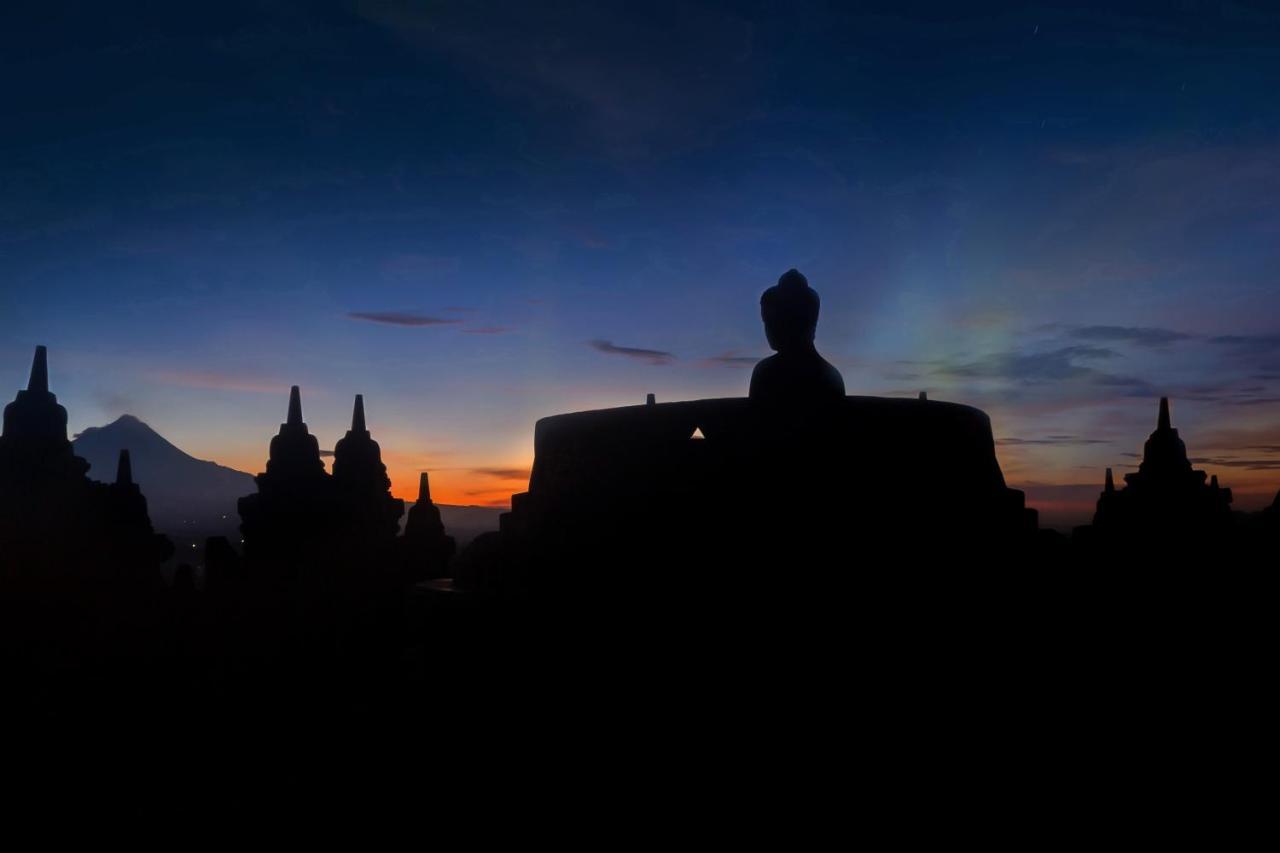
{"x":697,"y":434}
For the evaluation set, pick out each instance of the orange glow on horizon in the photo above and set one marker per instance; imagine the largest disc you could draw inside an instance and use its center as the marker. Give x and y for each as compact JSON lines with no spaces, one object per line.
{"x":459,"y":488}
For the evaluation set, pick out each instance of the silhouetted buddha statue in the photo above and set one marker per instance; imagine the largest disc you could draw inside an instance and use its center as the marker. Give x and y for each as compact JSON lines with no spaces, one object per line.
{"x":796,"y":374}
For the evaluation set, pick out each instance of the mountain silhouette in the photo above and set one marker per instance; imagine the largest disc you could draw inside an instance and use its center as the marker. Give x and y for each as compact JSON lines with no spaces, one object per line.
{"x":181,"y":491}
{"x":189,"y":496}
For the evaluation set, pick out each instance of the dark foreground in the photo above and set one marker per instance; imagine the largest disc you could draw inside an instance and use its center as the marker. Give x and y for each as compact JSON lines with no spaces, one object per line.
{"x":931,"y":705}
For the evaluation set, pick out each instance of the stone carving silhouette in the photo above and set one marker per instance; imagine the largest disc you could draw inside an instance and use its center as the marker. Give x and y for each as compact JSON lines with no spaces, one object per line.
{"x":796,"y":373}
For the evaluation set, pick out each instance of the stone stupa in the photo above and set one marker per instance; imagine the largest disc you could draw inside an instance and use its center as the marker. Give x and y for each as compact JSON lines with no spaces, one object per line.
{"x":1166,"y":497}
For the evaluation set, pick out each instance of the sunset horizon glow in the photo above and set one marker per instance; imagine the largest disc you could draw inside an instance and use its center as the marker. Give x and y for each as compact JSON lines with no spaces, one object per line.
{"x":478,"y":217}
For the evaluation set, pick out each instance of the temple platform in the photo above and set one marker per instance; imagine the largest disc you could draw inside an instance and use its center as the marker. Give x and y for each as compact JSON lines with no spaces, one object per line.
{"x":700,"y":489}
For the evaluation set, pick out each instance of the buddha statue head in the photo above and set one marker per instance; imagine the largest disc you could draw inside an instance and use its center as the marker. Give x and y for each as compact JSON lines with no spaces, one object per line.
{"x":790,"y":313}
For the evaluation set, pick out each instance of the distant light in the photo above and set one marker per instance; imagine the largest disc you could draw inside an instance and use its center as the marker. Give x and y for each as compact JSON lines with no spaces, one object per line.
{"x":193,"y":546}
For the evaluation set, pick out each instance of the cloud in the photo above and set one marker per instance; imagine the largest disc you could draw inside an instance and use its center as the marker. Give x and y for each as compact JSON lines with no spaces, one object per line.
{"x":731,"y":359}
{"x":487,"y":330}
{"x":1256,"y":357}
{"x":1232,"y":462}
{"x":1141,"y":386}
{"x":400,"y":318}
{"x":1052,"y":441}
{"x":1144,"y":336}
{"x":326,"y":453}
{"x":1033,"y":380}
{"x":1224,"y":393}
{"x":650,"y":356}
{"x":1249,"y":344}
{"x":1052,"y":366}
{"x":502,"y":473}
{"x":1234,"y":442}
{"x":1255,"y":401}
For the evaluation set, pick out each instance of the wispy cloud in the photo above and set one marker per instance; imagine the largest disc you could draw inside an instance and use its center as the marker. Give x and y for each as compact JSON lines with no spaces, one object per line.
{"x":650,"y":356}
{"x":401,"y":318}
{"x":1054,"y":365}
{"x":1225,"y":393}
{"x":1250,"y":344}
{"x":1235,"y":462}
{"x":1144,"y":336}
{"x":1052,"y":441}
{"x":502,"y":473}
{"x":487,"y":330}
{"x":731,"y":359}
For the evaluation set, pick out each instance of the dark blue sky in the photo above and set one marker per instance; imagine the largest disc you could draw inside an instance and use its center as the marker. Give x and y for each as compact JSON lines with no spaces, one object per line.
{"x":475,"y":213}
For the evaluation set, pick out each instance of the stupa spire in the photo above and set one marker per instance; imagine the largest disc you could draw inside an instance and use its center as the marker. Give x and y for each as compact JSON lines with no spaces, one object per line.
{"x":39,"y":382}
{"x":357,"y":415}
{"x":295,"y":407}
{"x":1164,"y":423}
{"x":124,"y":470}
{"x":1111,"y":482}
{"x":427,"y":549}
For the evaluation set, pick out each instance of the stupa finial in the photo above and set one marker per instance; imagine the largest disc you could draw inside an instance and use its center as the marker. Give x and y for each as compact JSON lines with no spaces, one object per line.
{"x":39,"y":382}
{"x":1110,"y":483}
{"x":1164,"y":422}
{"x":357,"y":415}
{"x":295,"y":407}
{"x":424,"y":489}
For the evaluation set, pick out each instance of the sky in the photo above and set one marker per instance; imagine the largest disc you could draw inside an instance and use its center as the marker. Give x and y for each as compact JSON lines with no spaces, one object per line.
{"x":480,"y":214}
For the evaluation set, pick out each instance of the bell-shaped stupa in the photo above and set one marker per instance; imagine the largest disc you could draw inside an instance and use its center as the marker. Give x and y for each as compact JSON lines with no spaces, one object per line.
{"x":427,"y":549}
{"x":372,"y":515}
{"x":1166,"y":497}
